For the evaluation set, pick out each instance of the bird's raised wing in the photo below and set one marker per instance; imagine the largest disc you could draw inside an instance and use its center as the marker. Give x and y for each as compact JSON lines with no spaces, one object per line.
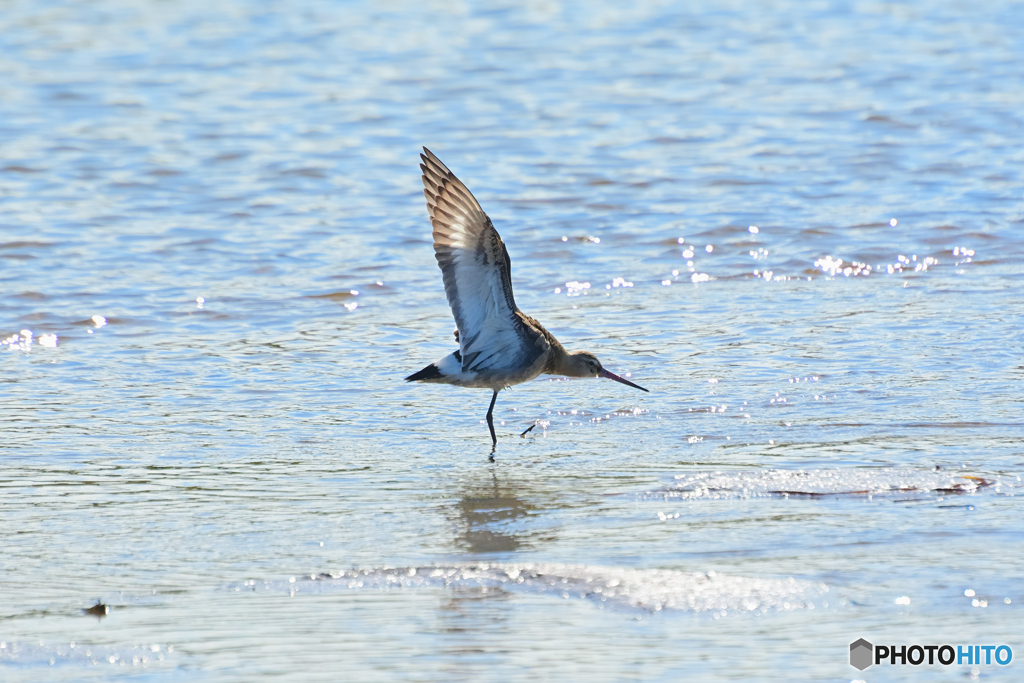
{"x":477,"y":274}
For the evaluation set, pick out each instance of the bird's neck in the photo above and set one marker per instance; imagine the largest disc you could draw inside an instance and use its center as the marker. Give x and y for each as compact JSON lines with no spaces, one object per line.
{"x":561,"y":362}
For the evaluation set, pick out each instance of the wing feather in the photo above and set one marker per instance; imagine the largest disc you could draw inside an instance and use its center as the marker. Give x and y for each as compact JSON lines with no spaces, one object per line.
{"x":477,"y":275}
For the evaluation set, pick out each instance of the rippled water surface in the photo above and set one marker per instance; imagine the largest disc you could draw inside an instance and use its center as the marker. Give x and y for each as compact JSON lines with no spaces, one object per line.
{"x":799,"y":225}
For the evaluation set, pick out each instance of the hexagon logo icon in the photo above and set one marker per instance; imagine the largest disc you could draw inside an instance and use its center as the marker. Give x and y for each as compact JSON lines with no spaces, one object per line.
{"x":861,"y":654}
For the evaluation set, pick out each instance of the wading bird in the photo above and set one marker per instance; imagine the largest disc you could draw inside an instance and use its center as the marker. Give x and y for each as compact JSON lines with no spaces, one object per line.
{"x":499,"y":345}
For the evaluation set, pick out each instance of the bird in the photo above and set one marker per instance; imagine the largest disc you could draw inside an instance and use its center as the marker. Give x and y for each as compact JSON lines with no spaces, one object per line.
{"x":499,"y":345}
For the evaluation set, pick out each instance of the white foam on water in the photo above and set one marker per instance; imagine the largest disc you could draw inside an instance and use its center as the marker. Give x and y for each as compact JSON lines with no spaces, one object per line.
{"x":43,"y":653}
{"x":725,"y":484}
{"x":644,"y":589}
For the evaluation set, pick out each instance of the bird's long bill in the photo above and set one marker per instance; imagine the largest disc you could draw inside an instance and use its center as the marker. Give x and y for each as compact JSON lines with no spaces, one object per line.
{"x":611,"y":375}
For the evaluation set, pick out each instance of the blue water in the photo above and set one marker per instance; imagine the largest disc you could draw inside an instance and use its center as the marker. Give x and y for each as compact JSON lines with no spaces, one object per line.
{"x":216,"y":269}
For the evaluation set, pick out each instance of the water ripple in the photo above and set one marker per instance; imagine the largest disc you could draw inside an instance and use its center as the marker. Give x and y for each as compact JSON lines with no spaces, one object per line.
{"x":644,"y":589}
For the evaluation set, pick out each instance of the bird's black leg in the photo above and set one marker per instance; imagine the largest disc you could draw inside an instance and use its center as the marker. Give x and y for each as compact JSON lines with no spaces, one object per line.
{"x":490,"y":420}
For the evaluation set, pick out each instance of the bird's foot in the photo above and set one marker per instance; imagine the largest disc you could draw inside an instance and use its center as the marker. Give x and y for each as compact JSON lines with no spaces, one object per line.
{"x":528,"y":430}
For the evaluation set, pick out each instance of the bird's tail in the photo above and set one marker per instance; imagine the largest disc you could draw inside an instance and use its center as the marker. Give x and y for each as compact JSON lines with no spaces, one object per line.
{"x":428,"y":373}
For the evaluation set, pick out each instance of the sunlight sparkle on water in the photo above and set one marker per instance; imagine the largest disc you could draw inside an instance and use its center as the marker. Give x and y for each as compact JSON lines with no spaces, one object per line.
{"x":576,"y":288}
{"x":23,"y":340}
{"x":646,"y":589}
{"x":832,"y":267}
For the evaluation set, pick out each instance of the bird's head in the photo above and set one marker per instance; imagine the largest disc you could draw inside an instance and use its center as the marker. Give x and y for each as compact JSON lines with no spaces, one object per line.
{"x":586,"y":364}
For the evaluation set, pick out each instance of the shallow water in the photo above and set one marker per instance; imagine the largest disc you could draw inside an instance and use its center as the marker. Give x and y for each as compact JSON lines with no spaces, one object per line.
{"x":216,"y":270}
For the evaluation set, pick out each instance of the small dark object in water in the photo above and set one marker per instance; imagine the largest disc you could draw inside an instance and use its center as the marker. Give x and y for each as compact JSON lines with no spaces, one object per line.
{"x":99,"y":610}
{"x":528,"y":430}
{"x":967,"y":488}
{"x":822,"y":494}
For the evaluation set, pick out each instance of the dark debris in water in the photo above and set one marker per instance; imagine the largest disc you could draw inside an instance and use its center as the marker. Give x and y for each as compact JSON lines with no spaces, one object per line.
{"x":978,"y":483}
{"x":99,"y":610}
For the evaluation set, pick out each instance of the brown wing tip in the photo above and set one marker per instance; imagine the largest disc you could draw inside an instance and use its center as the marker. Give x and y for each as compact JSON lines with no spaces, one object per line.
{"x":430,"y":159}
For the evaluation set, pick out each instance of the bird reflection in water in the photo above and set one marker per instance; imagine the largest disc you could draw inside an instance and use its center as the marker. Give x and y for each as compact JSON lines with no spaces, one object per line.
{"x":491,"y":514}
